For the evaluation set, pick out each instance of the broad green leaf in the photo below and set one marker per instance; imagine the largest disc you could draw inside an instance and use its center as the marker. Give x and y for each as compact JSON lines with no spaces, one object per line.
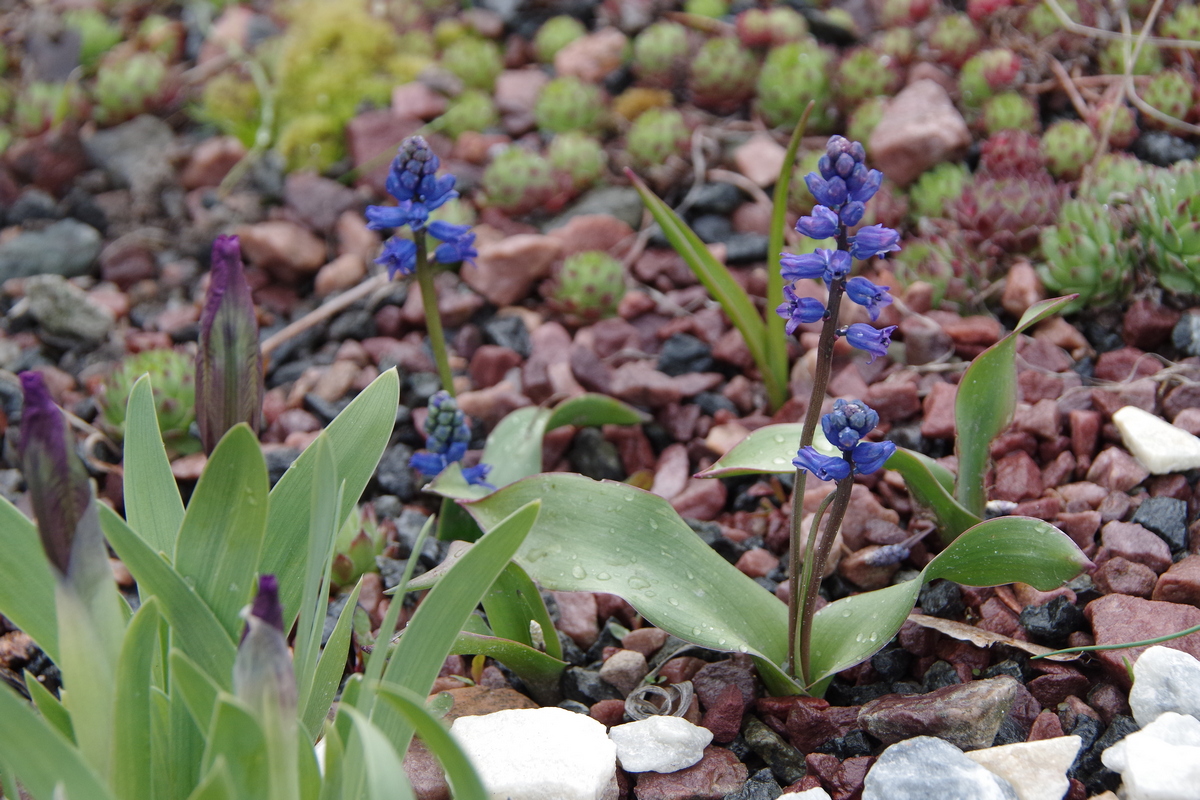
{"x":332,"y":782}
{"x":195,"y":628}
{"x":451,"y":483}
{"x":454,"y":524}
{"x":330,"y":667}
{"x":514,"y":447}
{"x":89,"y":673}
{"x":222,"y":533}
{"x":599,"y":536}
{"x":770,"y":448}
{"x":383,"y":775}
{"x":1010,"y":550}
{"x":537,"y":670}
{"x":851,"y":630}
{"x":153,"y":507}
{"x":716,"y":279}
{"x":26,"y":581}
{"x":217,"y":785}
{"x":198,"y":691}
{"x":512,"y":603}
{"x":926,"y":488}
{"x":132,"y":741}
{"x":236,"y":736}
{"x":593,"y":409}
{"x":41,"y":757}
{"x":430,"y":635}
{"x":358,"y":435}
{"x":459,"y":772}
{"x":49,"y":706}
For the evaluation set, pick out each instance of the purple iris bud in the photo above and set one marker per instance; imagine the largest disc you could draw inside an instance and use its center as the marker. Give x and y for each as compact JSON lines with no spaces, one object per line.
{"x":873,"y":340}
{"x":862,"y":291}
{"x":399,"y":256}
{"x":821,"y":225}
{"x":870,"y":456}
{"x":825,"y":165}
{"x":867,"y":187}
{"x":59,"y":491}
{"x":849,"y":422}
{"x":229,"y":368}
{"x":874,"y":240}
{"x":824,"y":468}
{"x":852,"y":213}
{"x":798,"y":310}
{"x":262,"y":672}
{"x":844,"y":165}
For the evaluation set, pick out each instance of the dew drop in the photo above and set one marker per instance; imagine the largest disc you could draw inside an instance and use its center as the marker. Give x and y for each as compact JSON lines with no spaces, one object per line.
{"x":721,"y":641}
{"x":653,"y":525}
{"x":602,"y":576}
{"x":846,"y":613}
{"x":695,"y":631}
{"x":699,"y":593}
{"x":874,"y":636}
{"x":579,"y":572}
{"x":636,"y":582}
{"x":673,"y":601}
{"x":779,"y":438}
{"x":649,"y":594}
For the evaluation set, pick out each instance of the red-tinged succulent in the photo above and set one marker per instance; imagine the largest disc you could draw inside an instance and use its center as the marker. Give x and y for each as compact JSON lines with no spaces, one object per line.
{"x":1173,"y":93}
{"x":229,"y":369}
{"x":1004,"y":215}
{"x":954,"y":39}
{"x":980,"y":10}
{"x":754,"y":28}
{"x":1008,"y":111}
{"x":904,"y":13}
{"x":864,"y":73}
{"x":1068,"y":146}
{"x":1123,"y":129}
{"x":987,"y":73}
{"x":1010,"y":153}
{"x":660,"y":55}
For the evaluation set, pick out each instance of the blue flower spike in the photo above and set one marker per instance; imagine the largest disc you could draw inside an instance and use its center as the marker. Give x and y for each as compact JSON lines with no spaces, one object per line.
{"x":447,"y":438}
{"x":845,"y":427}
{"x":849,"y":422}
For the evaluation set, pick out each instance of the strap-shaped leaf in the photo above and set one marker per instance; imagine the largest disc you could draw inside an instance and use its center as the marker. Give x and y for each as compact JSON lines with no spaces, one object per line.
{"x":382,"y":775}
{"x":153,"y":506}
{"x":512,"y":603}
{"x":41,"y":757}
{"x":26,"y":583}
{"x":770,"y":448}
{"x":459,"y":772}
{"x":133,"y":742}
{"x":922,"y":476}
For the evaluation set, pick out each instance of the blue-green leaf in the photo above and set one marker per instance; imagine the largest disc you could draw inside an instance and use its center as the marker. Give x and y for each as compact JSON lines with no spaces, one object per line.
{"x":153,"y":507}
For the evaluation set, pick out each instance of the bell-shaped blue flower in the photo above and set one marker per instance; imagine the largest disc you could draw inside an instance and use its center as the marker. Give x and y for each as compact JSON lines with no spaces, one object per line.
{"x":874,"y":240}
{"x":798,"y":310}
{"x":864,"y":183}
{"x":458,"y":242}
{"x":821,"y":225}
{"x":825,"y":468}
{"x":399,"y":256}
{"x":870,"y":456}
{"x":873,"y":340}
{"x":849,"y":422}
{"x":867,"y":294}
{"x":830,"y":192}
{"x":828,"y":265}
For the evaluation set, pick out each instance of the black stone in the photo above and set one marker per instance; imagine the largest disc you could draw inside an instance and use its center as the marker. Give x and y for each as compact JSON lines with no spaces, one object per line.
{"x":1103,"y":329}
{"x":710,"y":533}
{"x":711,"y":402}
{"x":760,"y":786}
{"x":1186,"y":334}
{"x":743,"y":248}
{"x":1010,"y":667}
{"x":287,"y":373}
{"x":1088,"y":729}
{"x":387,"y":506}
{"x":740,"y":747}
{"x":576,"y":706}
{"x":594,"y":457}
{"x":1097,"y":777}
{"x":394,"y":476}
{"x":940,"y":675}
{"x":32,"y":204}
{"x":572,"y":653}
{"x":1050,"y":624}
{"x":1167,"y":517}
{"x":392,"y":570}
{"x":841,"y":693}
{"x":712,"y":228}
{"x":332,"y":612}
{"x":786,"y":763}
{"x":322,"y":408}
{"x":853,"y":744}
{"x":357,"y":324}
{"x":418,"y":388}
{"x":1163,"y":149}
{"x":510,"y":332}
{"x":1010,"y":732}
{"x":584,"y":685}
{"x":408,"y":527}
{"x":717,"y":198}
{"x":908,"y":436}
{"x":941,"y":599}
{"x":610,"y":636}
{"x":892,"y":663}
{"x":684,"y":353}
{"x":278,"y":460}
{"x":618,"y":80}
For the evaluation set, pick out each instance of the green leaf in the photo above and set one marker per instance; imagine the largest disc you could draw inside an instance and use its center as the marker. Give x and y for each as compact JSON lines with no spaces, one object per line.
{"x":512,"y":603}
{"x":88,"y":671}
{"x":1043,"y":310}
{"x":514,"y":447}
{"x":459,"y":772}
{"x":330,"y":667}
{"x":332,"y":782}
{"x":41,"y":757}
{"x":770,"y":448}
{"x":851,"y":630}
{"x":199,"y":692}
{"x":716,"y":279}
{"x":537,"y":670}
{"x":593,"y":409}
{"x":153,"y":507}
{"x":194,"y":626}
{"x":222,"y":533}
{"x":49,"y":706}
{"x":599,"y":536}
{"x":924,"y":478}
{"x":358,"y":435}
{"x":217,"y":785}
{"x":132,"y":740}
{"x":1009,"y":550}
{"x":237,"y":737}
{"x":383,"y":774}
{"x":185,"y":744}
{"x":26,"y":582}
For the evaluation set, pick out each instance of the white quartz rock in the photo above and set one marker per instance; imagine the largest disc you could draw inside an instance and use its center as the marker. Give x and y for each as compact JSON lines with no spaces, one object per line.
{"x":925,"y":768}
{"x":1160,"y":446}
{"x":659,"y":744}
{"x":540,"y":754}
{"x":1159,"y":762}
{"x":1164,"y":679}
{"x":808,"y":794}
{"x":1037,"y":770}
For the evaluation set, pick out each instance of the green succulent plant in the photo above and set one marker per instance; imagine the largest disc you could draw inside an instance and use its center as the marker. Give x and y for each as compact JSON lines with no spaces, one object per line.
{"x":660,"y":54}
{"x":312,"y":142}
{"x":863,"y":73}
{"x":588,"y":287}
{"x":654,"y":136}
{"x":707,"y":8}
{"x":1068,"y":146}
{"x":359,"y":542}
{"x":231,"y":102}
{"x":864,"y":119}
{"x":1040,"y":20}
{"x":476,"y":61}
{"x":555,"y":34}
{"x":518,"y":181}
{"x":986,"y":73}
{"x":1168,"y":217}
{"x":130,"y":87}
{"x":41,"y":105}
{"x":172,"y":377}
{"x":1123,"y":129}
{"x":472,"y":110}
{"x":954,"y":39}
{"x":897,"y":43}
{"x":160,"y":34}
{"x":97,"y":35}
{"x":793,"y":75}
{"x":570,"y":104}
{"x":722,"y":75}
{"x":937,"y":188}
{"x":1182,"y":23}
{"x":578,"y":156}
{"x":448,"y":31}
{"x":1115,"y":180}
{"x":1112,"y":59}
{"x":1009,"y":111}
{"x":1172,"y":93}
{"x":1087,"y":252}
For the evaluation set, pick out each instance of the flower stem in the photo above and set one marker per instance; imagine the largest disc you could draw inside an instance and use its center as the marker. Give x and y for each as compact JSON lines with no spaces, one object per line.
{"x":433,"y":320}
{"x":816,"y":556}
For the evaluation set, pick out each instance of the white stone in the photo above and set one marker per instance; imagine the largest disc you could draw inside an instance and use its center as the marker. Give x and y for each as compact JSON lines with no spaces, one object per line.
{"x":1160,"y":446}
{"x":659,"y":744}
{"x":816,"y":793}
{"x":1037,"y":770}
{"x":925,"y":767}
{"x":1159,"y":762}
{"x":540,"y":754}
{"x":1164,"y":679}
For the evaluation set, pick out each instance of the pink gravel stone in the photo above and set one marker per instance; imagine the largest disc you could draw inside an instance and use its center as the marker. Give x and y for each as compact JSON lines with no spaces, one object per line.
{"x":757,"y":562}
{"x":1116,"y":470}
{"x":1148,"y":324}
{"x":1017,"y":478}
{"x":938,"y":422}
{"x":717,"y":774}
{"x":1022,"y":289}
{"x":1180,"y":583}
{"x":1132,"y":541}
{"x":1121,"y":576}
{"x":577,"y":616}
{"x":920,"y":128}
{"x":1118,"y":618}
{"x":506,"y":271}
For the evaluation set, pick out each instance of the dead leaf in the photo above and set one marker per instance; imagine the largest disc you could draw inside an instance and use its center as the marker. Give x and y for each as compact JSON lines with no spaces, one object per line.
{"x":981,"y":638}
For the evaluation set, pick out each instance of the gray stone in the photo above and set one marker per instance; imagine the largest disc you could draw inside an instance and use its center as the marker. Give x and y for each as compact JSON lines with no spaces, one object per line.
{"x":741,"y":248}
{"x":717,"y":198}
{"x":759,"y":786}
{"x":63,"y":309}
{"x":622,"y":202}
{"x":394,"y":476}
{"x":135,"y":153}
{"x":67,"y":248}
{"x":967,"y":715}
{"x":1186,"y":334}
{"x":785,"y":761}
{"x":925,"y":767}
{"x":1164,"y":680}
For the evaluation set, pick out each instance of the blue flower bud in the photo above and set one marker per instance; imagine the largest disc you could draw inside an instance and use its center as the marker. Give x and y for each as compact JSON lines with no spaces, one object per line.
{"x":864,"y":188}
{"x":849,"y":422}
{"x":825,"y":166}
{"x":873,"y":340}
{"x":828,"y":265}
{"x":822,"y":224}
{"x":864,"y":293}
{"x":874,"y":240}
{"x":852,"y":213}
{"x":844,"y":165}
{"x":824,"y":468}
{"x":870,"y":456}
{"x":798,"y":310}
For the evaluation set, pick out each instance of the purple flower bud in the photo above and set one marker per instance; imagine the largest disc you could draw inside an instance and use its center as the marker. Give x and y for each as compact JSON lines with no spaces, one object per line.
{"x":849,"y":422}
{"x":870,"y":456}
{"x":821,"y":225}
{"x":824,"y":468}
{"x":874,"y":240}
{"x":825,"y":165}
{"x":862,"y":291}
{"x":828,"y":265}
{"x":797,"y":310}
{"x":59,"y":491}
{"x":844,"y":165}
{"x":262,"y":672}
{"x":858,"y":152}
{"x":852,"y":213}
{"x":836,"y":146}
{"x":399,"y":256}
{"x":873,"y":340}
{"x":866,"y":188}
{"x":229,"y":369}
